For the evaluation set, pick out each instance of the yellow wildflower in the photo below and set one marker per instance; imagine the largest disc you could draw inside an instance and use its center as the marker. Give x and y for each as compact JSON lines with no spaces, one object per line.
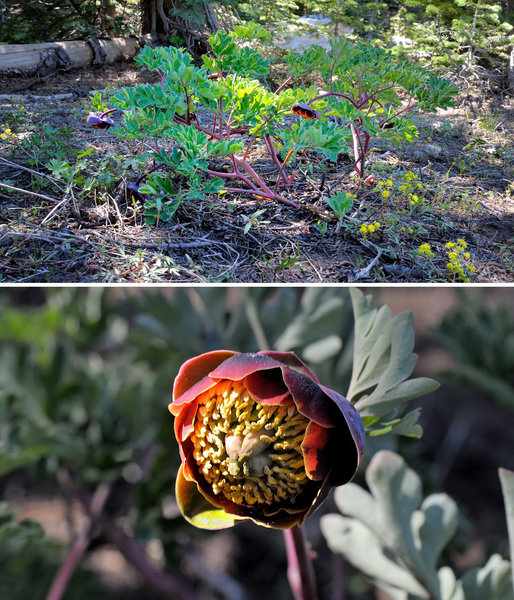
{"x":426,"y":250}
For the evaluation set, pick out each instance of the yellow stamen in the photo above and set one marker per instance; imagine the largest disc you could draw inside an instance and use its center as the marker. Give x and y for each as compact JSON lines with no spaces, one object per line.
{"x":249,"y":452}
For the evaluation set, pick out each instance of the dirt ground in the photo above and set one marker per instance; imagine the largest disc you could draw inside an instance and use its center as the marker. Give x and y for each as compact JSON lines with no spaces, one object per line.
{"x":50,"y":234}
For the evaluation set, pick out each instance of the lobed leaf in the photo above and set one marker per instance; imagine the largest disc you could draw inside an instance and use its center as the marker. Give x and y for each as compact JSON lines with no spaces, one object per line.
{"x":383,"y":360}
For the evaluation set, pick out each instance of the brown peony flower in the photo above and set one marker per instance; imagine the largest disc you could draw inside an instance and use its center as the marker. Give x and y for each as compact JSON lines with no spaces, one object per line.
{"x":260,"y":438}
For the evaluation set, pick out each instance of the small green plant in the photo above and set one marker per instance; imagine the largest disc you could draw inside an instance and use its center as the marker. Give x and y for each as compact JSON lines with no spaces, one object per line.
{"x":341,"y":204}
{"x":254,"y":219}
{"x":87,"y":172}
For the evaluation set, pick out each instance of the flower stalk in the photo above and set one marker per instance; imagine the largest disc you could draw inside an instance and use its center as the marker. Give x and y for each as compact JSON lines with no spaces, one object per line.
{"x":300,"y":571}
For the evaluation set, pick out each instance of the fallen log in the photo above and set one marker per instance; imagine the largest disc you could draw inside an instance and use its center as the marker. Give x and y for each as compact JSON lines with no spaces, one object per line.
{"x":46,"y":58}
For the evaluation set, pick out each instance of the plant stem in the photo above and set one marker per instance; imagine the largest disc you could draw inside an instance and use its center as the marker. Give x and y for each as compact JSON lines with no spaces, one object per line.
{"x":299,"y":571}
{"x":166,"y":585}
{"x":60,"y":583}
{"x":81,"y":544}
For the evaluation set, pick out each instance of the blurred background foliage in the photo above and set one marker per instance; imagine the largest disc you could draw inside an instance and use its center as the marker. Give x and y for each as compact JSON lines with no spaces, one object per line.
{"x":481,"y":338}
{"x":85,"y":380}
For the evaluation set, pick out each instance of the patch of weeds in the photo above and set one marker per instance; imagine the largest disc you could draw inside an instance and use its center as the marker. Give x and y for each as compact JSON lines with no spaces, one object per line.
{"x":506,"y":253}
{"x":48,"y":142}
{"x":87,"y":172}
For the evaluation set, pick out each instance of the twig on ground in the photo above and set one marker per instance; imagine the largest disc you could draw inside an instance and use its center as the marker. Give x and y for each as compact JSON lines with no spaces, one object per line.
{"x":361,"y":273}
{"x":38,"y":173}
{"x":15,"y":189}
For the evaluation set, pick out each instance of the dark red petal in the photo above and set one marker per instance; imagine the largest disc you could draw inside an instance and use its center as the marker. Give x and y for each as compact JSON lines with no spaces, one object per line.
{"x":310,"y":399}
{"x":322,"y":494}
{"x":331,"y":453}
{"x":352,"y":417}
{"x":304,"y":110}
{"x":267,"y":387}
{"x":289,"y":359}
{"x":317,"y":464}
{"x":195,"y":369}
{"x":240,"y":366}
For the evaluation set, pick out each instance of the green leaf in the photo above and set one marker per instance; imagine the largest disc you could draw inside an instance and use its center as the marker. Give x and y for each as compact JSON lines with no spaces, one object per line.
{"x":450,"y":588}
{"x":395,"y":523}
{"x":406,"y":425}
{"x":318,"y":315}
{"x":323,"y":349}
{"x":251,"y":31}
{"x":493,"y":581}
{"x":367,"y":553}
{"x":341,"y":203}
{"x":434,"y":525}
{"x":383,"y":360}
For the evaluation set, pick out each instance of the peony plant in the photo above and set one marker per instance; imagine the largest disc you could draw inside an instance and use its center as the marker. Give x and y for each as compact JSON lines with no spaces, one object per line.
{"x":200,"y":125}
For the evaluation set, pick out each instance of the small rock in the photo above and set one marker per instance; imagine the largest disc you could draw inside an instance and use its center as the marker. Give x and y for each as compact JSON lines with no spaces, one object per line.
{"x":432,"y":150}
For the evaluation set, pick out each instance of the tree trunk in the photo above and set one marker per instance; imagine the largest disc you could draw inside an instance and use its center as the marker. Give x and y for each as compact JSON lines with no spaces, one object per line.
{"x":510,"y":71}
{"x":160,"y":20}
{"x":155,"y":18}
{"x":107,"y":16}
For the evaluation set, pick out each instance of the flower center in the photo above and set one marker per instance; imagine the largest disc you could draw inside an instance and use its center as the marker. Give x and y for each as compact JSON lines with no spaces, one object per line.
{"x":249,"y":452}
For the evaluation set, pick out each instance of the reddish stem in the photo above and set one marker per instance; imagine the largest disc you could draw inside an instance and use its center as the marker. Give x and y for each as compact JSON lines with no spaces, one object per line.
{"x":271,"y":149}
{"x":338,"y":94}
{"x":280,"y":87}
{"x":300,"y":571}
{"x":60,"y":583}
{"x":107,"y":112}
{"x":81,"y":544}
